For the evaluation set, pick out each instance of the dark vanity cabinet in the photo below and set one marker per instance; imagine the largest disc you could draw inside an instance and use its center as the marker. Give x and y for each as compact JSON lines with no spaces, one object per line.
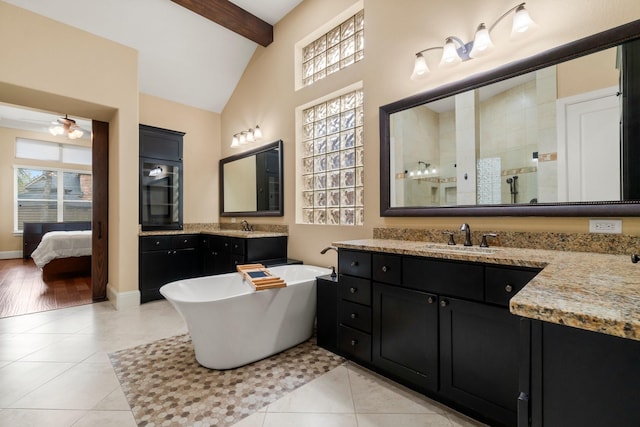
{"x":164,"y":259}
{"x":354,"y":305}
{"x":161,"y":179}
{"x":574,"y":377}
{"x":221,"y":254}
{"x":442,"y":327}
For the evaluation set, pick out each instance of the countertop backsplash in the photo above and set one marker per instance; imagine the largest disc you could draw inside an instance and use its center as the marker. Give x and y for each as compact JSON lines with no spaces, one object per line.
{"x":616,"y":244}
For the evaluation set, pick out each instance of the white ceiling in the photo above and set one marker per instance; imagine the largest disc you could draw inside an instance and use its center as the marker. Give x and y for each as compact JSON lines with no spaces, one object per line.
{"x":183,"y":57}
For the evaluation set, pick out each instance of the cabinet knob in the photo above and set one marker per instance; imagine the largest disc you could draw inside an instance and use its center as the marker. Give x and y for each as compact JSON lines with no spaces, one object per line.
{"x":185,"y":241}
{"x":385,"y":268}
{"x":508,"y":288}
{"x":168,"y":252}
{"x":354,"y":315}
{"x":353,"y":343}
{"x":354,"y":263}
{"x":157,"y":242}
{"x":353,"y":290}
{"x":444,"y":303}
{"x":431,"y":300}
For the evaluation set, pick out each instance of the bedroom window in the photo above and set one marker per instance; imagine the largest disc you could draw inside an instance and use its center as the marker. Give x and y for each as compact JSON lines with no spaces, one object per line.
{"x":330,"y":155}
{"x":51,"y":195}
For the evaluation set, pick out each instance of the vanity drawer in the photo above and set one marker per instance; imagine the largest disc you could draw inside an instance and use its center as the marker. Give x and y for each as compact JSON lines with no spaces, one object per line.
{"x":387,"y":269}
{"x":503,"y":283}
{"x":456,"y":279}
{"x":354,"y":263}
{"x":354,"y":343}
{"x":355,"y":289}
{"x":155,"y":243}
{"x":184,"y":241}
{"x":355,"y":315}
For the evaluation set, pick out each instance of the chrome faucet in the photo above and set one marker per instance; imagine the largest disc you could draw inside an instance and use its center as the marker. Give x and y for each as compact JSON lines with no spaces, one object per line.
{"x":467,"y":234}
{"x":333,"y":269}
{"x":246,"y":226}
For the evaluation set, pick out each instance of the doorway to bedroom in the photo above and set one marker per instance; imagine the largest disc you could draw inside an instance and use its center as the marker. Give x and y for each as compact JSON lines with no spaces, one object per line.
{"x":54,"y":181}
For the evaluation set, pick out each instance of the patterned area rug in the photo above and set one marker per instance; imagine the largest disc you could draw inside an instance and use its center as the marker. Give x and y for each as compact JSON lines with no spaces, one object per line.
{"x":165,"y":386}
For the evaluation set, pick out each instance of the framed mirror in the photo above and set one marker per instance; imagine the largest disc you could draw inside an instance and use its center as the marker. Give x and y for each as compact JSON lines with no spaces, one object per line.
{"x":251,"y":183}
{"x":551,"y":135}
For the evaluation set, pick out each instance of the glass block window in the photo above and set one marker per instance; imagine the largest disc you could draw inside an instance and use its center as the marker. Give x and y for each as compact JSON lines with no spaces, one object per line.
{"x":339,"y":48}
{"x":333,"y":161}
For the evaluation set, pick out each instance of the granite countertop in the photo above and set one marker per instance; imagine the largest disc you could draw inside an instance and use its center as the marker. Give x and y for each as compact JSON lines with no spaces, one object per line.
{"x":596,"y":292}
{"x":229,"y":233}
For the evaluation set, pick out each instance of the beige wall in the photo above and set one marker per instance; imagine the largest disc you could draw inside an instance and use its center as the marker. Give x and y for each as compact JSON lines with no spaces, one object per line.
{"x":394,"y":32}
{"x":104,"y":86}
{"x":589,"y":73}
{"x":201,"y":152}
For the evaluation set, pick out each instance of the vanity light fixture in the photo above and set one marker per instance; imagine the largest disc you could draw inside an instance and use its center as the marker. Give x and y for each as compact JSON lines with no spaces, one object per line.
{"x":456,"y":51}
{"x":246,"y":136}
{"x":422,"y":172}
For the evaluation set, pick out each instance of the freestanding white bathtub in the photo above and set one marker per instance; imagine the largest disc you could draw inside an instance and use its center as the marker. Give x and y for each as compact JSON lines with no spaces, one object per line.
{"x":231,"y":324}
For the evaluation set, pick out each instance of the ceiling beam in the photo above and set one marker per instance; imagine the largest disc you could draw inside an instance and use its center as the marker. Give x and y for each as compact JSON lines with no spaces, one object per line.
{"x":232,"y":17}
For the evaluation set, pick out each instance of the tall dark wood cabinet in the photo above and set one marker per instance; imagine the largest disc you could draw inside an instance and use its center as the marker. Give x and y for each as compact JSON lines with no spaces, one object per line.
{"x":161,"y":179}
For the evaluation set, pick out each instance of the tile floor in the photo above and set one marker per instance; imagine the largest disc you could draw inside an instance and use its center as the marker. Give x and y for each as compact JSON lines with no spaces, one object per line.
{"x":54,"y":371}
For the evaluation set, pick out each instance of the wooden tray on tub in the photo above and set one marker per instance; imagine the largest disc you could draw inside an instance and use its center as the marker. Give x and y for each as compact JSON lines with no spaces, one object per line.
{"x":260,"y":277}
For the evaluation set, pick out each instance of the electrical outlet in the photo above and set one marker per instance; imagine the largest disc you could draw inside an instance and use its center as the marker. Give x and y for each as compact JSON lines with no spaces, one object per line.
{"x":233,"y":220}
{"x":613,"y":226}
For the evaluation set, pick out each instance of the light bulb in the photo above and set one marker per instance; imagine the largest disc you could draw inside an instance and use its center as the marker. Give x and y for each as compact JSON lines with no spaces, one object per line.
{"x":482,"y":43}
{"x":449,"y":54}
{"x":250,"y":135}
{"x":257,"y":133}
{"x":420,"y":67}
{"x":243,"y":138}
{"x":234,"y":141}
{"x":522,"y":22}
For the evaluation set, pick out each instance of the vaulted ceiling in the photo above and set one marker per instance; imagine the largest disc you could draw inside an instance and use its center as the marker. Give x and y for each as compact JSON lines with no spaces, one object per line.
{"x":183,"y":56}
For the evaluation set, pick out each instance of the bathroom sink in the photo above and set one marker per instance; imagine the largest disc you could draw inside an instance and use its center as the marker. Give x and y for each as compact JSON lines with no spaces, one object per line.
{"x":470,"y":250}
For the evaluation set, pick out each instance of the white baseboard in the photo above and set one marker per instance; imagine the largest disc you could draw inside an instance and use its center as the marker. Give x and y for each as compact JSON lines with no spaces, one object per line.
{"x":123,"y":300}
{"x":10,"y":254}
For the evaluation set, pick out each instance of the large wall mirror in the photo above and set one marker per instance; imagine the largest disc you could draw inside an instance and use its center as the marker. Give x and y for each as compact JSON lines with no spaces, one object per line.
{"x":251,"y":182}
{"x":551,"y":135}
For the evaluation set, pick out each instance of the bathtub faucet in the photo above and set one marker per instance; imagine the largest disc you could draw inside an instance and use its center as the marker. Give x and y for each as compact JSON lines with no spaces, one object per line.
{"x":246,"y":226}
{"x":333,"y":269}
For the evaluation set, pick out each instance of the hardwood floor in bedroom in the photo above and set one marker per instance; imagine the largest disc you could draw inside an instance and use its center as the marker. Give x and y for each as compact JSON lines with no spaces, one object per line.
{"x":23,"y":291}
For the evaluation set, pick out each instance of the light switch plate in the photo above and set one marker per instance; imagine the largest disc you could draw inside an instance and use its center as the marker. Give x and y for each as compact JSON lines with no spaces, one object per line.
{"x":612,"y":226}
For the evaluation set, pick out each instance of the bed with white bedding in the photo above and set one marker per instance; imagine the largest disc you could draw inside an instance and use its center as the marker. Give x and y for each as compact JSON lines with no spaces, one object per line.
{"x":62,"y":244}
{"x":61,"y":249}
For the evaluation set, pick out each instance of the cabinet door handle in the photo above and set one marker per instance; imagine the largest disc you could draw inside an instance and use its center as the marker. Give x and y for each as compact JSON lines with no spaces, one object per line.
{"x":385,"y":268}
{"x":353,"y":290}
{"x":354,"y":343}
{"x":444,"y":303}
{"x":508,"y":288}
{"x":354,"y":315}
{"x":354,"y":263}
{"x":431,"y":300}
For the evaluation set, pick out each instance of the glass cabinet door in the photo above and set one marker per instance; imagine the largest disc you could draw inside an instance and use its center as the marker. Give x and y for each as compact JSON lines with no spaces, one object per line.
{"x":160,"y":194}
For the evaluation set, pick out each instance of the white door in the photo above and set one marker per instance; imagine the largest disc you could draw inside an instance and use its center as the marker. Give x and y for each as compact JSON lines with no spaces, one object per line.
{"x":590,"y":124}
